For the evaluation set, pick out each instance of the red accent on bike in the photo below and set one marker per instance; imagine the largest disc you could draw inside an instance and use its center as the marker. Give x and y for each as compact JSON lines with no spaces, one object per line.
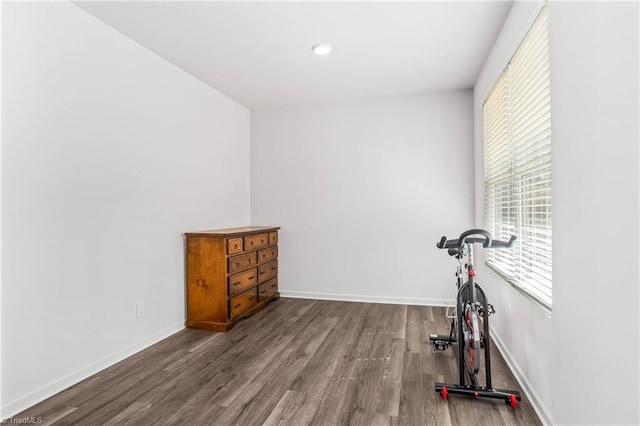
{"x":513,"y":401}
{"x":475,"y":394}
{"x":444,"y":392}
{"x":473,"y":273}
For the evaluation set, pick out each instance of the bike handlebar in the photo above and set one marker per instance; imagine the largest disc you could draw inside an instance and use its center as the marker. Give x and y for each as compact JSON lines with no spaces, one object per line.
{"x":466,"y":238}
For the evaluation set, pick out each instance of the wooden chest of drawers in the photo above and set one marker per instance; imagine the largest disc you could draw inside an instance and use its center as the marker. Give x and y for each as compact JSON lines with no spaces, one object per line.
{"x":231,"y":273}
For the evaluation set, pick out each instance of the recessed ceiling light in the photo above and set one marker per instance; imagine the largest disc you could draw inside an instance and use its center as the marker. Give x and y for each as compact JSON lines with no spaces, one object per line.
{"x":321,"y":48}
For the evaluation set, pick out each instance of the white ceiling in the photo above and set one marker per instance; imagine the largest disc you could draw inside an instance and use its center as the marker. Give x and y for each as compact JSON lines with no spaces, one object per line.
{"x":259,"y":53}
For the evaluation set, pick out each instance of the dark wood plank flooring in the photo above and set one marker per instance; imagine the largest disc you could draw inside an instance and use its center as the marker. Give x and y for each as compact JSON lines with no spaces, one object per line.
{"x":297,"y":362}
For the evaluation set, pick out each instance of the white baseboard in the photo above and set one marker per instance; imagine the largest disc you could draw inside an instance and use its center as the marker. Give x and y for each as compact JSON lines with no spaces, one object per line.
{"x":536,"y":402}
{"x":53,"y":388}
{"x":367,"y":299}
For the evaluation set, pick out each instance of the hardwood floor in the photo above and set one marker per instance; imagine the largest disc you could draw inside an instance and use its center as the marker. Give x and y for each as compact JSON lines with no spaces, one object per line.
{"x":297,"y":362}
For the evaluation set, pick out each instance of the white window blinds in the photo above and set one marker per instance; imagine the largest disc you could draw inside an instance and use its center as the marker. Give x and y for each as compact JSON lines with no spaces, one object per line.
{"x":517,"y":166}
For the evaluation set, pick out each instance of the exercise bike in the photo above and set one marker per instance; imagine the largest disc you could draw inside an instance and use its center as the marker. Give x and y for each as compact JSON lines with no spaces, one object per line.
{"x":470,"y":321}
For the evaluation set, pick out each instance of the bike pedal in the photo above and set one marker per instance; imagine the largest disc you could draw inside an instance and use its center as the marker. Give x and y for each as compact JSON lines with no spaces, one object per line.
{"x":440,"y":345}
{"x":490,"y":309}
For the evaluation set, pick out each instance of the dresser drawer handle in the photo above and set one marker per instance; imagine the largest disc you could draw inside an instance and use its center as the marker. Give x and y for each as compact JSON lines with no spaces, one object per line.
{"x":263,"y":272}
{"x":236,"y":283}
{"x":237,"y":306}
{"x":274,"y":268}
{"x":251,"y":277}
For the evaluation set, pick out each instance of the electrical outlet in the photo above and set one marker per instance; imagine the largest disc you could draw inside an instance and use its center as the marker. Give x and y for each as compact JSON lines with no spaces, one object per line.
{"x":139,"y":309}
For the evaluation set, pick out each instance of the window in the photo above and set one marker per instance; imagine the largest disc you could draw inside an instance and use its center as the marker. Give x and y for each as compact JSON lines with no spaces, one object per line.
{"x":517,"y":166}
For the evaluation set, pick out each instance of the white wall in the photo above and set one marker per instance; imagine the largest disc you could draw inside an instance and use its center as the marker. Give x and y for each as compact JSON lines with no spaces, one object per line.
{"x":362,"y":191}
{"x":1,"y":132}
{"x":594,"y":89}
{"x":109,"y":154}
{"x":581,"y":364}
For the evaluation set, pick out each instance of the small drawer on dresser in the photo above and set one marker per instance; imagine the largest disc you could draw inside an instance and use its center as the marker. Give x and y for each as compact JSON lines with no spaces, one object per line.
{"x":270,"y":253}
{"x":268,"y":289}
{"x":273,"y":238}
{"x":267,"y":271}
{"x":234,"y":245}
{"x":243,"y":302}
{"x":242,"y":262}
{"x":255,"y":241}
{"x":242,"y":281}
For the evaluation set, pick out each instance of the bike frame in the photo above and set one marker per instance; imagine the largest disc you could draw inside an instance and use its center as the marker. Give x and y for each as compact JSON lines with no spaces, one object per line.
{"x":470,"y":297}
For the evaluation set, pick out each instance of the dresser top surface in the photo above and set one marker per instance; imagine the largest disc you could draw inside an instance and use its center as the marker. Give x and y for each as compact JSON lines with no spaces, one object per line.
{"x":229,"y":232}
